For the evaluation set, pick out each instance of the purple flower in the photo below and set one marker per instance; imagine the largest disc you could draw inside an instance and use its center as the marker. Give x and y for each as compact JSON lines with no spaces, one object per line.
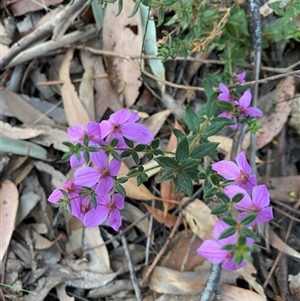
{"x":258,"y":204}
{"x":239,"y":172}
{"x":229,"y":115}
{"x":225,"y":95}
{"x":101,"y":175}
{"x":106,"y":208}
{"x":240,"y":77}
{"x":69,"y":187}
{"x":123,"y":124}
{"x":212,"y":249}
{"x":76,"y":135}
{"x":243,"y":106}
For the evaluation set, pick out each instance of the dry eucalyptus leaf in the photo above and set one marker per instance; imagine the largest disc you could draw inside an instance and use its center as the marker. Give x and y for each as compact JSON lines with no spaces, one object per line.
{"x":132,"y":214}
{"x":18,"y":133}
{"x":98,"y":258}
{"x":169,"y":220}
{"x":22,"y":7}
{"x":277,"y":243}
{"x":284,"y":189}
{"x":89,"y":280}
{"x":199,"y":218}
{"x":294,"y":284}
{"x":61,"y":293}
{"x":277,"y":118}
{"x":124,"y":37}
{"x":74,"y":109}
{"x":51,"y":137}
{"x":9,"y":201}
{"x":20,"y":108}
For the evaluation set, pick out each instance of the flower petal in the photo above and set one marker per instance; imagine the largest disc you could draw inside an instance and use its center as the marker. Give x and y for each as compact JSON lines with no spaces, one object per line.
{"x":104,"y":186}
{"x":95,"y":216}
{"x":223,"y":88}
{"x":75,"y":133}
{"x":86,"y":176}
{"x":211,"y":250}
{"x":265,"y":215}
{"x":105,"y":128}
{"x":226,"y":169}
{"x":245,"y":99}
{"x":242,"y":163}
{"x":137,"y":132}
{"x":253,"y":112}
{"x":114,"y":167}
{"x":229,"y":264}
{"x":74,"y":162}
{"x":114,"y":219}
{"x":250,"y":183}
{"x":55,"y":196}
{"x":261,"y":196}
{"x":119,"y":201}
{"x":100,"y":159}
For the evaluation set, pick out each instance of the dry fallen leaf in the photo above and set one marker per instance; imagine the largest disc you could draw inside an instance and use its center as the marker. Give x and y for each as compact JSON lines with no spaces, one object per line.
{"x":124,"y":37}
{"x":277,"y":243}
{"x":273,"y":124}
{"x":9,"y":201}
{"x":21,"y":7}
{"x":74,"y":109}
{"x":169,"y":220}
{"x":294,"y":284}
{"x":283,"y":188}
{"x":199,"y":218}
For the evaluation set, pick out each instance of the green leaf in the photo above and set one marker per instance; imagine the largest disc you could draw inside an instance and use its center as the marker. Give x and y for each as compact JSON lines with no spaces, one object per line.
{"x":227,"y":233}
{"x":135,"y":9}
{"x":166,"y":162}
{"x":155,"y":143}
{"x":122,"y":180}
{"x":140,"y":147}
{"x":202,"y":175}
{"x":203,"y":150}
{"x":135,"y":158}
{"x":238,"y":258}
{"x":225,"y":106}
{"x":168,"y":175}
{"x":185,"y":183}
{"x":191,"y":119}
{"x":215,"y":179}
{"x":182,"y":151}
{"x":120,"y":7}
{"x":213,"y":129}
{"x":142,"y":178}
{"x":116,"y":156}
{"x":210,"y":192}
{"x":66,"y":155}
{"x":178,"y":134}
{"x":249,"y":233}
{"x":121,"y":189}
{"x":237,"y":198}
{"x":220,"y":209}
{"x":230,"y":221}
{"x":223,"y":198}
{"x":86,"y":155}
{"x":229,"y":247}
{"x":249,"y":218}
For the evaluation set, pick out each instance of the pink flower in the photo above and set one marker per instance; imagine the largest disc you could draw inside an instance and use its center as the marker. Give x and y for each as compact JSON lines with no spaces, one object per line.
{"x":76,"y":135}
{"x":225,"y":95}
{"x":106,"y":208}
{"x":240,"y":78}
{"x":69,"y":187}
{"x":258,"y":204}
{"x":212,"y":249}
{"x":123,"y":124}
{"x":243,"y":106}
{"x":239,"y":172}
{"x":229,"y":115}
{"x":101,"y":175}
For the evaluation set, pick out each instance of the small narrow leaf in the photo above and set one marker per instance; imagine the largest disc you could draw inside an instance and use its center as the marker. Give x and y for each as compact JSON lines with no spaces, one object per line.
{"x":227,"y":233}
{"x":191,"y":119}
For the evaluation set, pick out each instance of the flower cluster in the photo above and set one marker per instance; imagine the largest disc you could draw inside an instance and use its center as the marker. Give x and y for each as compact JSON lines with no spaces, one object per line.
{"x":248,"y":204}
{"x":92,"y":196}
{"x":237,"y":108}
